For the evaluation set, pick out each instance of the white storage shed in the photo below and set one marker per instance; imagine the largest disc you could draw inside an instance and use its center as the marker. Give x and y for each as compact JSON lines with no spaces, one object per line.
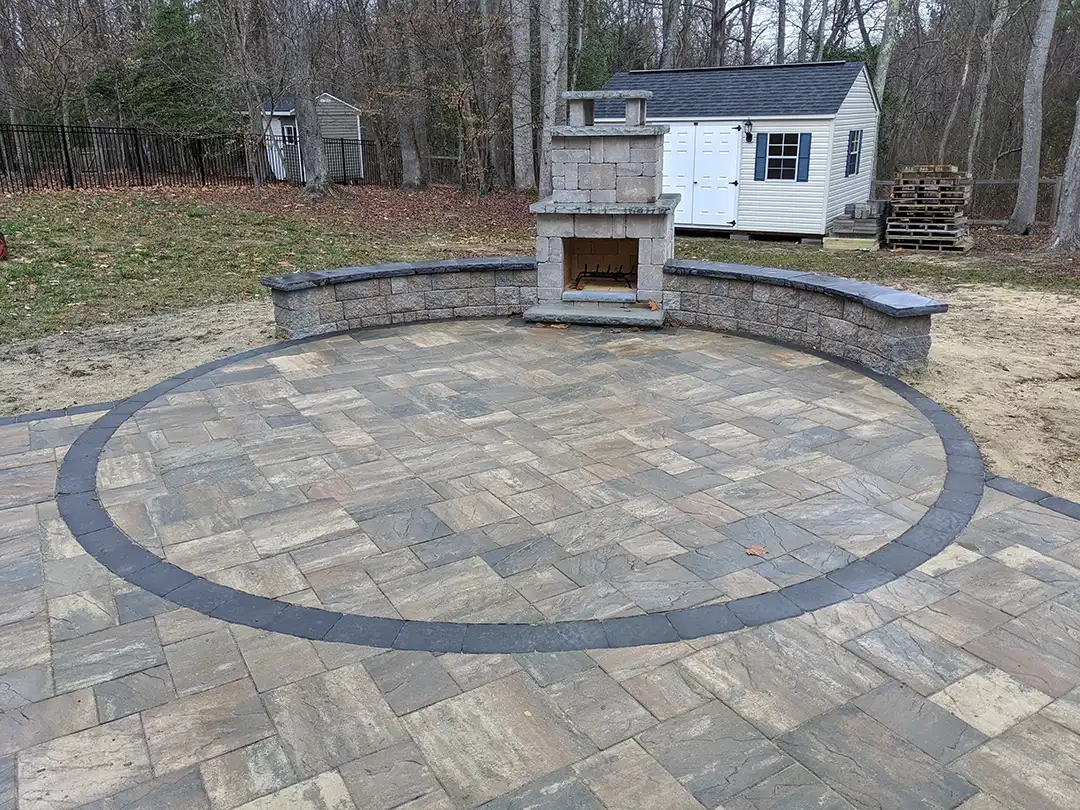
{"x":775,"y":149}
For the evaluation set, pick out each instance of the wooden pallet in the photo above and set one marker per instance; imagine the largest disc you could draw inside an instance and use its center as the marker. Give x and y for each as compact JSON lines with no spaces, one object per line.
{"x":913,"y":244}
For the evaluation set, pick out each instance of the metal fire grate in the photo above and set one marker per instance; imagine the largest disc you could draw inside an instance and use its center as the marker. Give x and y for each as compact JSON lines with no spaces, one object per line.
{"x":627,"y":277}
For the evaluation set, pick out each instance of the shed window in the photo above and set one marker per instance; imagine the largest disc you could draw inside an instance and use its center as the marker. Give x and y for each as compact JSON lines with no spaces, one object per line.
{"x":783,"y":156}
{"x":288,"y":134}
{"x":854,"y":152}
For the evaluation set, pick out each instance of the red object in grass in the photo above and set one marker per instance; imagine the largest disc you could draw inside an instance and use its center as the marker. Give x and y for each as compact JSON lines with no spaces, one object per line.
{"x":3,"y":248}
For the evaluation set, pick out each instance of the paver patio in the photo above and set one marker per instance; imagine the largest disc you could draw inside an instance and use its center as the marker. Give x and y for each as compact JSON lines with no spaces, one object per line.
{"x":483,"y":473}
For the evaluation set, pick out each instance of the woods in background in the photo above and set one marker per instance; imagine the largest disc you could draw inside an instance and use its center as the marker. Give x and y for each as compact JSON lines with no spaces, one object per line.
{"x":991,"y":85}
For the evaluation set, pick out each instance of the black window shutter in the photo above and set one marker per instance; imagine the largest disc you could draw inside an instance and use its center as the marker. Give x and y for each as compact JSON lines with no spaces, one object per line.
{"x":762,"y":152}
{"x":802,"y":173}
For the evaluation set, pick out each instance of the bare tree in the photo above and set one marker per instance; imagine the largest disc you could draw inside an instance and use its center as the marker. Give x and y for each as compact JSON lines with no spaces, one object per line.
{"x":819,"y":41}
{"x":958,"y":97}
{"x":553,"y":24}
{"x":781,"y":30}
{"x":885,"y":52}
{"x":671,"y":10}
{"x":298,"y":26}
{"x":1066,"y":233}
{"x":521,"y":95}
{"x":1027,"y":193}
{"x":747,"y":13}
{"x":804,"y":31}
{"x":982,"y":86}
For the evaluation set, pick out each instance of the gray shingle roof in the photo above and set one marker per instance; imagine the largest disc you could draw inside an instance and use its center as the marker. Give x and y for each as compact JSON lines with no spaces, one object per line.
{"x":752,"y":91}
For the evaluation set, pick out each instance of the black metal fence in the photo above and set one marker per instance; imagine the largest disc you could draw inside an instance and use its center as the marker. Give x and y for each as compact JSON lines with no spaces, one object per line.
{"x":44,"y":157}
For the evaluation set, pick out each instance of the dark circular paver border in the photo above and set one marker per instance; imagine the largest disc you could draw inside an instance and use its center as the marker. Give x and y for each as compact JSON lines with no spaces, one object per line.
{"x":95,"y":531}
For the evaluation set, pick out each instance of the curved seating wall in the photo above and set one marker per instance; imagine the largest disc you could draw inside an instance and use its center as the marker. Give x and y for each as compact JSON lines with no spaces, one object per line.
{"x":881,"y":328}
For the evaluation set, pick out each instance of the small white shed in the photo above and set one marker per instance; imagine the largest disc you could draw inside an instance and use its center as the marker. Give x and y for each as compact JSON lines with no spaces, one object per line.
{"x":775,"y":149}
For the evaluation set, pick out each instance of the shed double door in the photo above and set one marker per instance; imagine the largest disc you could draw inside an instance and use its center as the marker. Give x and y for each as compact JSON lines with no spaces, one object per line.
{"x":701,"y":162}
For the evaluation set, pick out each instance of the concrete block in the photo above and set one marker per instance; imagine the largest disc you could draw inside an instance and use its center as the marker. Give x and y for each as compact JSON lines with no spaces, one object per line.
{"x":486,"y":278}
{"x":651,"y":278}
{"x":507,"y":297}
{"x":376,"y":320}
{"x":409,"y":317}
{"x":558,"y":184}
{"x":739,"y":237}
{"x":721,"y":323}
{"x":290,"y":320}
{"x":838,"y":330}
{"x":791,"y":318}
{"x":596,"y":176}
{"x":439,"y":299}
{"x":605,"y":195}
{"x":671,"y":300}
{"x":555,"y":225}
{"x":528,"y":295}
{"x":628,"y":170}
{"x":643,"y":225}
{"x":635,"y":190}
{"x":593,"y":227}
{"x":331,"y":313}
{"x":364,"y":307}
{"x":643,"y":154}
{"x":717,"y":305}
{"x":449,"y":281}
{"x":570,"y":177}
{"x":550,"y":274}
{"x":404,"y":302}
{"x":439,"y":314}
{"x":825,"y":305}
{"x":580,"y":196}
{"x":309,"y":298}
{"x":616,"y":150}
{"x":596,"y":150}
{"x":417,"y":283}
{"x":481,"y":296}
{"x":356,"y":289}
{"x":398,"y":286}
{"x":618,"y":227}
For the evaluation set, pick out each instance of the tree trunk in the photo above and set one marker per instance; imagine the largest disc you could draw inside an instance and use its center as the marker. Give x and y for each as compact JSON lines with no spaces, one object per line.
{"x":1066,"y":233}
{"x":781,"y":30}
{"x":748,"y":32}
{"x":982,"y":86}
{"x":521,"y":95}
{"x":1027,"y":192}
{"x":552,"y":53}
{"x":717,"y":34}
{"x":312,"y":149}
{"x":888,"y":43}
{"x":819,"y":47}
{"x":671,"y":11}
{"x":804,"y":31}
{"x":954,"y":111}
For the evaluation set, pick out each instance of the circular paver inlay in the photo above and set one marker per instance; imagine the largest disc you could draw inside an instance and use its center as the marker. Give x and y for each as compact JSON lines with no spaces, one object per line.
{"x":482,"y":487}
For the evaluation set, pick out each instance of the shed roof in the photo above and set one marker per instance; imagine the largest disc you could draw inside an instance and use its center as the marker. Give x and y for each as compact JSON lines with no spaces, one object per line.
{"x":813,"y":88}
{"x":286,"y":105}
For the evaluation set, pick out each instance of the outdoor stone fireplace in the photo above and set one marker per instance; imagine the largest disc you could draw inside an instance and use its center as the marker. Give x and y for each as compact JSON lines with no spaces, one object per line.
{"x":607,"y":229}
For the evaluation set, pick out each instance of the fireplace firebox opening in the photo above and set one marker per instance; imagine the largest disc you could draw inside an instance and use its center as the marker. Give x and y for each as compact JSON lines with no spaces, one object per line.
{"x":600,"y":265}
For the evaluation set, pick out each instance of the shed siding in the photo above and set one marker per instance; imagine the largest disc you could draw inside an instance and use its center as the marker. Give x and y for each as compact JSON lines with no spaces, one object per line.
{"x":336,"y":120}
{"x":786,"y":206}
{"x":857,"y":112}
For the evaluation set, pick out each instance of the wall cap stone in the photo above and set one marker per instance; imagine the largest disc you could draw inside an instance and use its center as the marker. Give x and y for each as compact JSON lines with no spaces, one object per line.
{"x":610,"y":130}
{"x":664,"y":204}
{"x":892,"y":302}
{"x":344,"y":275}
{"x":573,"y":95}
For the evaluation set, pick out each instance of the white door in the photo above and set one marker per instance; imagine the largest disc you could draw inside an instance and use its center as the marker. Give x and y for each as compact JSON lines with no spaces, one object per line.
{"x":716,"y":175}
{"x":679,"y":169}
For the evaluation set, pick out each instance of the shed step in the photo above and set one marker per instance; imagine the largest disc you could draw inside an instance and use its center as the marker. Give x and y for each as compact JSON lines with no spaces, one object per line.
{"x":601,"y":296}
{"x":595,"y":315}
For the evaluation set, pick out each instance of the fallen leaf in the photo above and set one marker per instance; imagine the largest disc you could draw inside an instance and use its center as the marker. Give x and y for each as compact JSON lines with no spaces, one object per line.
{"x":653,"y":305}
{"x":553,"y":326}
{"x":757,"y":551}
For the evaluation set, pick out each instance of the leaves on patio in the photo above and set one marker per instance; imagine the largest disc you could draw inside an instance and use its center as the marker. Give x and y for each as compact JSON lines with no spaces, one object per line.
{"x":553,"y":326}
{"x":757,"y":551}
{"x":653,"y":305}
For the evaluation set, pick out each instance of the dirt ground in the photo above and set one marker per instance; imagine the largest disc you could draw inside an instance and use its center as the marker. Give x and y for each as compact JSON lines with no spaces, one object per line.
{"x":1005,"y":361}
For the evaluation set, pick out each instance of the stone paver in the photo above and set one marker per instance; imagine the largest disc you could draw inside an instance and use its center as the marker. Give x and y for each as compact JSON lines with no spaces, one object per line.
{"x":955,"y":686}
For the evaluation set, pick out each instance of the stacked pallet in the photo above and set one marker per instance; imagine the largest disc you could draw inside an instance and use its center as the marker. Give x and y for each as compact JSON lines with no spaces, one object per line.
{"x":929,"y":209}
{"x":861,"y":227}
